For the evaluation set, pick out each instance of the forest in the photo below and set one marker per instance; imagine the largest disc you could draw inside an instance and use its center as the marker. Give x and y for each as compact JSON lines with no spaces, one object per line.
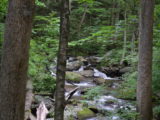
{"x":80,"y":60}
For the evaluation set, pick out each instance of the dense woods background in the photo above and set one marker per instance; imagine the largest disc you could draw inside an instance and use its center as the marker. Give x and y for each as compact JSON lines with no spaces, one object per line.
{"x":107,"y":29}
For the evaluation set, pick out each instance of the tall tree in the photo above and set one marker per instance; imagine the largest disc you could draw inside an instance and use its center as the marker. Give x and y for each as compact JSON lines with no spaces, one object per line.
{"x":14,"y":64}
{"x":144,"y":85}
{"x":61,"y":62}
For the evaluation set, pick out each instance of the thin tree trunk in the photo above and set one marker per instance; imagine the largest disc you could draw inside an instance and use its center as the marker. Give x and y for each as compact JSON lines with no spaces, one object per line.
{"x":125,"y":39}
{"x":144,"y":85}
{"x":133,"y":43}
{"x":13,"y":74}
{"x":61,"y":62}
{"x":70,"y":5}
{"x":82,"y":20}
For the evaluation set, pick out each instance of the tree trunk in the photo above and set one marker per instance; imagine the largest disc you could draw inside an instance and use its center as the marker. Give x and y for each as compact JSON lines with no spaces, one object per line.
{"x":144,"y":85}
{"x":13,"y":74}
{"x":82,"y":20}
{"x":61,"y":62}
{"x":125,"y":39}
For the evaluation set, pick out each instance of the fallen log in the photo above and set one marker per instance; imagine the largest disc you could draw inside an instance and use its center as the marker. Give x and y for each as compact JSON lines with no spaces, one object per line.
{"x":42,"y":111}
{"x":70,"y":94}
{"x":28,"y":103}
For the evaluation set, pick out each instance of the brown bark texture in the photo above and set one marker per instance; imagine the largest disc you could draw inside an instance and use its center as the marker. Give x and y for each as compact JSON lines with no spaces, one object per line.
{"x":61,"y":62}
{"x":144,"y":85}
{"x":14,"y":64}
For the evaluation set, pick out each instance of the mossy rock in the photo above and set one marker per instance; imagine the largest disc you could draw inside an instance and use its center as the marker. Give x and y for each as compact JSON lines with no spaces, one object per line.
{"x":74,"y":77}
{"x":85,"y":113}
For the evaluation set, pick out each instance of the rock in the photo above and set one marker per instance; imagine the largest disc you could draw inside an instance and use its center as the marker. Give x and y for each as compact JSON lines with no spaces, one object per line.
{"x":111,"y":71}
{"x":87,"y":73}
{"x":71,"y":59}
{"x":74,"y":77}
{"x":99,"y":80}
{"x":47,"y":101}
{"x":107,"y":82}
{"x":125,"y":70}
{"x":85,"y":113}
{"x":94,"y":109}
{"x":94,"y":60}
{"x":80,"y":58}
{"x":75,"y":65}
{"x":71,"y":110}
{"x":69,"y":87}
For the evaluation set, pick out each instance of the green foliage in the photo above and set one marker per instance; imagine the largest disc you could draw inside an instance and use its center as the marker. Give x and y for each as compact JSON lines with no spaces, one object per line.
{"x":97,"y":42}
{"x":40,"y":4}
{"x":128,"y":87}
{"x":156,"y":67}
{"x":94,"y":92}
{"x":156,"y":111}
{"x":128,"y":114}
{"x":44,"y":83}
{"x":3,"y":7}
{"x":44,"y":46}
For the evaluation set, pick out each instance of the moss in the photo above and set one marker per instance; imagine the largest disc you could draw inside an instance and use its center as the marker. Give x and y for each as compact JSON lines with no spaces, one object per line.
{"x":85,"y":113}
{"x":73,"y":77}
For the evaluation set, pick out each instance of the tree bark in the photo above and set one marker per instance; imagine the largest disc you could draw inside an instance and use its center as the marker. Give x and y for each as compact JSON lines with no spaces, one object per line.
{"x":14,"y":64}
{"x":125,"y":39}
{"x":61,"y":62}
{"x":144,"y":85}
{"x":82,"y":20}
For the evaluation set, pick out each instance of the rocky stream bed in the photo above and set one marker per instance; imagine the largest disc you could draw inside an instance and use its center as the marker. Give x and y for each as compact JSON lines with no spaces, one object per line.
{"x":81,"y":75}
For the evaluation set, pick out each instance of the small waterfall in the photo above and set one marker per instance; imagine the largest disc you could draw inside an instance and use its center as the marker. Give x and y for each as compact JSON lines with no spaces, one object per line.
{"x":81,"y":69}
{"x":97,"y":73}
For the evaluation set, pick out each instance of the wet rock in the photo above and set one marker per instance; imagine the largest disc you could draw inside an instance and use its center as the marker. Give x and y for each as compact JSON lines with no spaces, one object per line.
{"x":74,"y":77}
{"x":99,"y":81}
{"x":38,"y":99}
{"x":85,"y":113}
{"x":87,"y":73}
{"x":71,"y":59}
{"x":71,"y":110}
{"x":111,"y":71}
{"x":94,"y":60}
{"x":80,"y":58}
{"x":69,"y":87}
{"x":75,"y":65}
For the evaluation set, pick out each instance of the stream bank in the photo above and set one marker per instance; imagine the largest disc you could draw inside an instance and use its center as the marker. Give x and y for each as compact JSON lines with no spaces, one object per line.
{"x":95,"y":97}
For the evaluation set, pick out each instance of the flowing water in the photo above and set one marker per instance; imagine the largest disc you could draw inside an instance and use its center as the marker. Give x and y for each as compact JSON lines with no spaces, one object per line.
{"x":102,"y":103}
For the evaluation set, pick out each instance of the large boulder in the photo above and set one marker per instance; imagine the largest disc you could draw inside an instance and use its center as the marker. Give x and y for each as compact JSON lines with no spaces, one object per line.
{"x":85,"y":113}
{"x":99,"y":81}
{"x":94,"y":60}
{"x":74,"y":77}
{"x":111,"y":71}
{"x":87,"y":73}
{"x":75,"y":65}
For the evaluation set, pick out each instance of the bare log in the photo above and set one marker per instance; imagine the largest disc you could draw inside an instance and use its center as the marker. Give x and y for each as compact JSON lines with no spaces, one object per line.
{"x":42,"y":111}
{"x":71,"y":93}
{"x":29,"y":99}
